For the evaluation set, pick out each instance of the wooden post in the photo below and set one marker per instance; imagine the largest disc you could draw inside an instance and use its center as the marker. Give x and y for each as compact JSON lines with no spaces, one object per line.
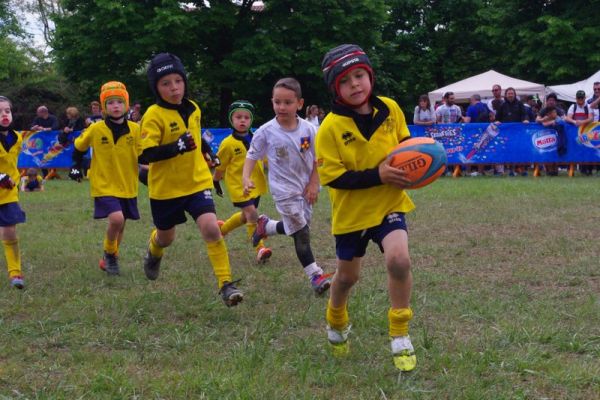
{"x":536,"y":170}
{"x":571,"y":170}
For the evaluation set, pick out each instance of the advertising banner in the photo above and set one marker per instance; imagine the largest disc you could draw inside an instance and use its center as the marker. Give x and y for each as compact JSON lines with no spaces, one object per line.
{"x":514,"y":143}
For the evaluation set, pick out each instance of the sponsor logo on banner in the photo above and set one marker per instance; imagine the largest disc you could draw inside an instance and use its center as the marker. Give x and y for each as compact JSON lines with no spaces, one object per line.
{"x":589,"y":135}
{"x":545,"y":140}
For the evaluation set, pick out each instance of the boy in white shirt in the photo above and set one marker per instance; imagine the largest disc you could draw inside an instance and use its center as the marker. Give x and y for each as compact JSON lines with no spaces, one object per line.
{"x":288,"y":143}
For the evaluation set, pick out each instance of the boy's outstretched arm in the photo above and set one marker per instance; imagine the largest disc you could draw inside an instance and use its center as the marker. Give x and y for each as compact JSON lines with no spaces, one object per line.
{"x":183,"y":144}
{"x":249,"y":165}
{"x":311,"y":191}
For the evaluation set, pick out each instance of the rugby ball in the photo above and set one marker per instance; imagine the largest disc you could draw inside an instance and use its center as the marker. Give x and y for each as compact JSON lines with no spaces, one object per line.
{"x":423,"y":158}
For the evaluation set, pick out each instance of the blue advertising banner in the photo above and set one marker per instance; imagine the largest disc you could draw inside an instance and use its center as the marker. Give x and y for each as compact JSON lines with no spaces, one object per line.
{"x":515,"y":142}
{"x":464,"y":143}
{"x":42,"y":150}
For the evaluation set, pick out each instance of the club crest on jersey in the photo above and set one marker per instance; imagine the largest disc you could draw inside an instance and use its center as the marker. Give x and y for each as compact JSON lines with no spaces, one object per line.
{"x":104,"y":140}
{"x":174,"y":126}
{"x":304,"y":144}
{"x":348,"y":137}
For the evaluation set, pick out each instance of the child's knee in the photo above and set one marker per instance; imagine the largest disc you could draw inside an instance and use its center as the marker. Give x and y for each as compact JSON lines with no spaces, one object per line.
{"x":346,"y":279}
{"x":211,"y":232}
{"x":398,"y":266}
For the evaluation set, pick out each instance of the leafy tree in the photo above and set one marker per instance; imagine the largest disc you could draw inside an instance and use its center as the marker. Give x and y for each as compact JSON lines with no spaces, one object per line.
{"x":229,"y":50}
{"x":545,"y":41}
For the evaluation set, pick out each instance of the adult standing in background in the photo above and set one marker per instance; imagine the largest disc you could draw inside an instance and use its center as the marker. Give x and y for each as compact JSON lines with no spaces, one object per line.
{"x":44,"y":121}
{"x":497,"y":93}
{"x":477,"y":111}
{"x":96,"y":114}
{"x":424,"y":112}
{"x":594,"y":100}
{"x":511,"y":110}
{"x":448,"y":113}
{"x":312,"y":115}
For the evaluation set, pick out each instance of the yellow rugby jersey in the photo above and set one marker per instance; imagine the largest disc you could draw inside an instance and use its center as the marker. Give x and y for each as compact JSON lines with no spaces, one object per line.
{"x":341,"y":147}
{"x":183,"y":174}
{"x":8,"y":165}
{"x":114,"y":168}
{"x":232,"y":154}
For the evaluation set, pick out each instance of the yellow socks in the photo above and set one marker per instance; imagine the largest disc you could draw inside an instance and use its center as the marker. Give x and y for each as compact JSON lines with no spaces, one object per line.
{"x":399,"y":319}
{"x":111,"y":246}
{"x":337,"y":317}
{"x":155,"y":250}
{"x":219,"y":259}
{"x":235,"y":221}
{"x":250,"y":227}
{"x":13,"y":257}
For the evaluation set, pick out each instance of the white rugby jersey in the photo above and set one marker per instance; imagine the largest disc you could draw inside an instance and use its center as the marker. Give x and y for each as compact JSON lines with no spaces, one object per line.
{"x":290,"y":156}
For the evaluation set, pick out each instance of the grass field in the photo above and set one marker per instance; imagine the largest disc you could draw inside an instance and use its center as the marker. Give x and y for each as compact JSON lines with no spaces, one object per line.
{"x":506,"y":299}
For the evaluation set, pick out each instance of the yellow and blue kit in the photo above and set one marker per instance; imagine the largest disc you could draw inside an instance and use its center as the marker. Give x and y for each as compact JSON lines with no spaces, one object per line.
{"x":349,"y":151}
{"x":174,"y":175}
{"x":232,"y":153}
{"x":114,"y":167}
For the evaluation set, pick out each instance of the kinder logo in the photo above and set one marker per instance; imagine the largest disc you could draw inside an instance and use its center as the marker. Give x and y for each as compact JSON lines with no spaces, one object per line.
{"x":349,"y":62}
{"x":545,"y":140}
{"x":164,"y":68}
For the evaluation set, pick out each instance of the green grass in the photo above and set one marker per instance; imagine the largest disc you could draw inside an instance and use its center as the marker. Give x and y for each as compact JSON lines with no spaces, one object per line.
{"x":506,"y":299}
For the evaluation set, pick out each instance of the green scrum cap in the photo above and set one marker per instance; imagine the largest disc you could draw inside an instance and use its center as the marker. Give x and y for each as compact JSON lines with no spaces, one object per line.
{"x":241,"y":105}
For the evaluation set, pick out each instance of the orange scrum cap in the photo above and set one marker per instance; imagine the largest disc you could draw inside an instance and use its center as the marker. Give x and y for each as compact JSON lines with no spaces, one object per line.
{"x":114,"y":89}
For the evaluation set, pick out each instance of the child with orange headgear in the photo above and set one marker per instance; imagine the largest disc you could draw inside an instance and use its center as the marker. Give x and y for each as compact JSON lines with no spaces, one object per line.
{"x":116,"y":145}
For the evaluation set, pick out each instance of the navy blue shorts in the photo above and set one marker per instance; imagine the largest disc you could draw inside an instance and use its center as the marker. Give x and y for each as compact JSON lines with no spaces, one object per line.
{"x":168,"y":213}
{"x":11,"y":214}
{"x":255,"y":201}
{"x":32,"y":185}
{"x":354,"y":244}
{"x":106,"y":205}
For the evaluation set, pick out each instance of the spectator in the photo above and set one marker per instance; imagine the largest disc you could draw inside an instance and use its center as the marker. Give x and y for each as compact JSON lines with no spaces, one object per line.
{"x":511,"y":110}
{"x":497,"y":93}
{"x":312,"y":115}
{"x":32,"y":181}
{"x":73,"y":121}
{"x":322,"y":114}
{"x":477,"y":111}
{"x":424,"y":113}
{"x":552,"y":119}
{"x":448,"y":113}
{"x":44,"y":121}
{"x":581,"y":114}
{"x":551,"y":101}
{"x":135,"y":114}
{"x":594,"y":100}
{"x":495,"y":104}
{"x":531,"y":107}
{"x":96,"y":114}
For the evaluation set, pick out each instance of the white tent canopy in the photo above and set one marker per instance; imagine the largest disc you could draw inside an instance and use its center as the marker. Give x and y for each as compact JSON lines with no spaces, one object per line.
{"x":482,"y":85}
{"x":567,"y":92}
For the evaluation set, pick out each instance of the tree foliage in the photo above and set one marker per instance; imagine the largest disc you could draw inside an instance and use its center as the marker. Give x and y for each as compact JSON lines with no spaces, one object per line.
{"x":232,"y":52}
{"x":229,"y":50}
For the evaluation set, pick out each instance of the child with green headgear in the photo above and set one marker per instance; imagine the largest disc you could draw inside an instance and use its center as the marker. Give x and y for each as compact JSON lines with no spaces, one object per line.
{"x":232,"y":153}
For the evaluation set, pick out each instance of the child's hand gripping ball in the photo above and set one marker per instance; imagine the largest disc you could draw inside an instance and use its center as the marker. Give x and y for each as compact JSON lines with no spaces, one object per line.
{"x":423,"y":158}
